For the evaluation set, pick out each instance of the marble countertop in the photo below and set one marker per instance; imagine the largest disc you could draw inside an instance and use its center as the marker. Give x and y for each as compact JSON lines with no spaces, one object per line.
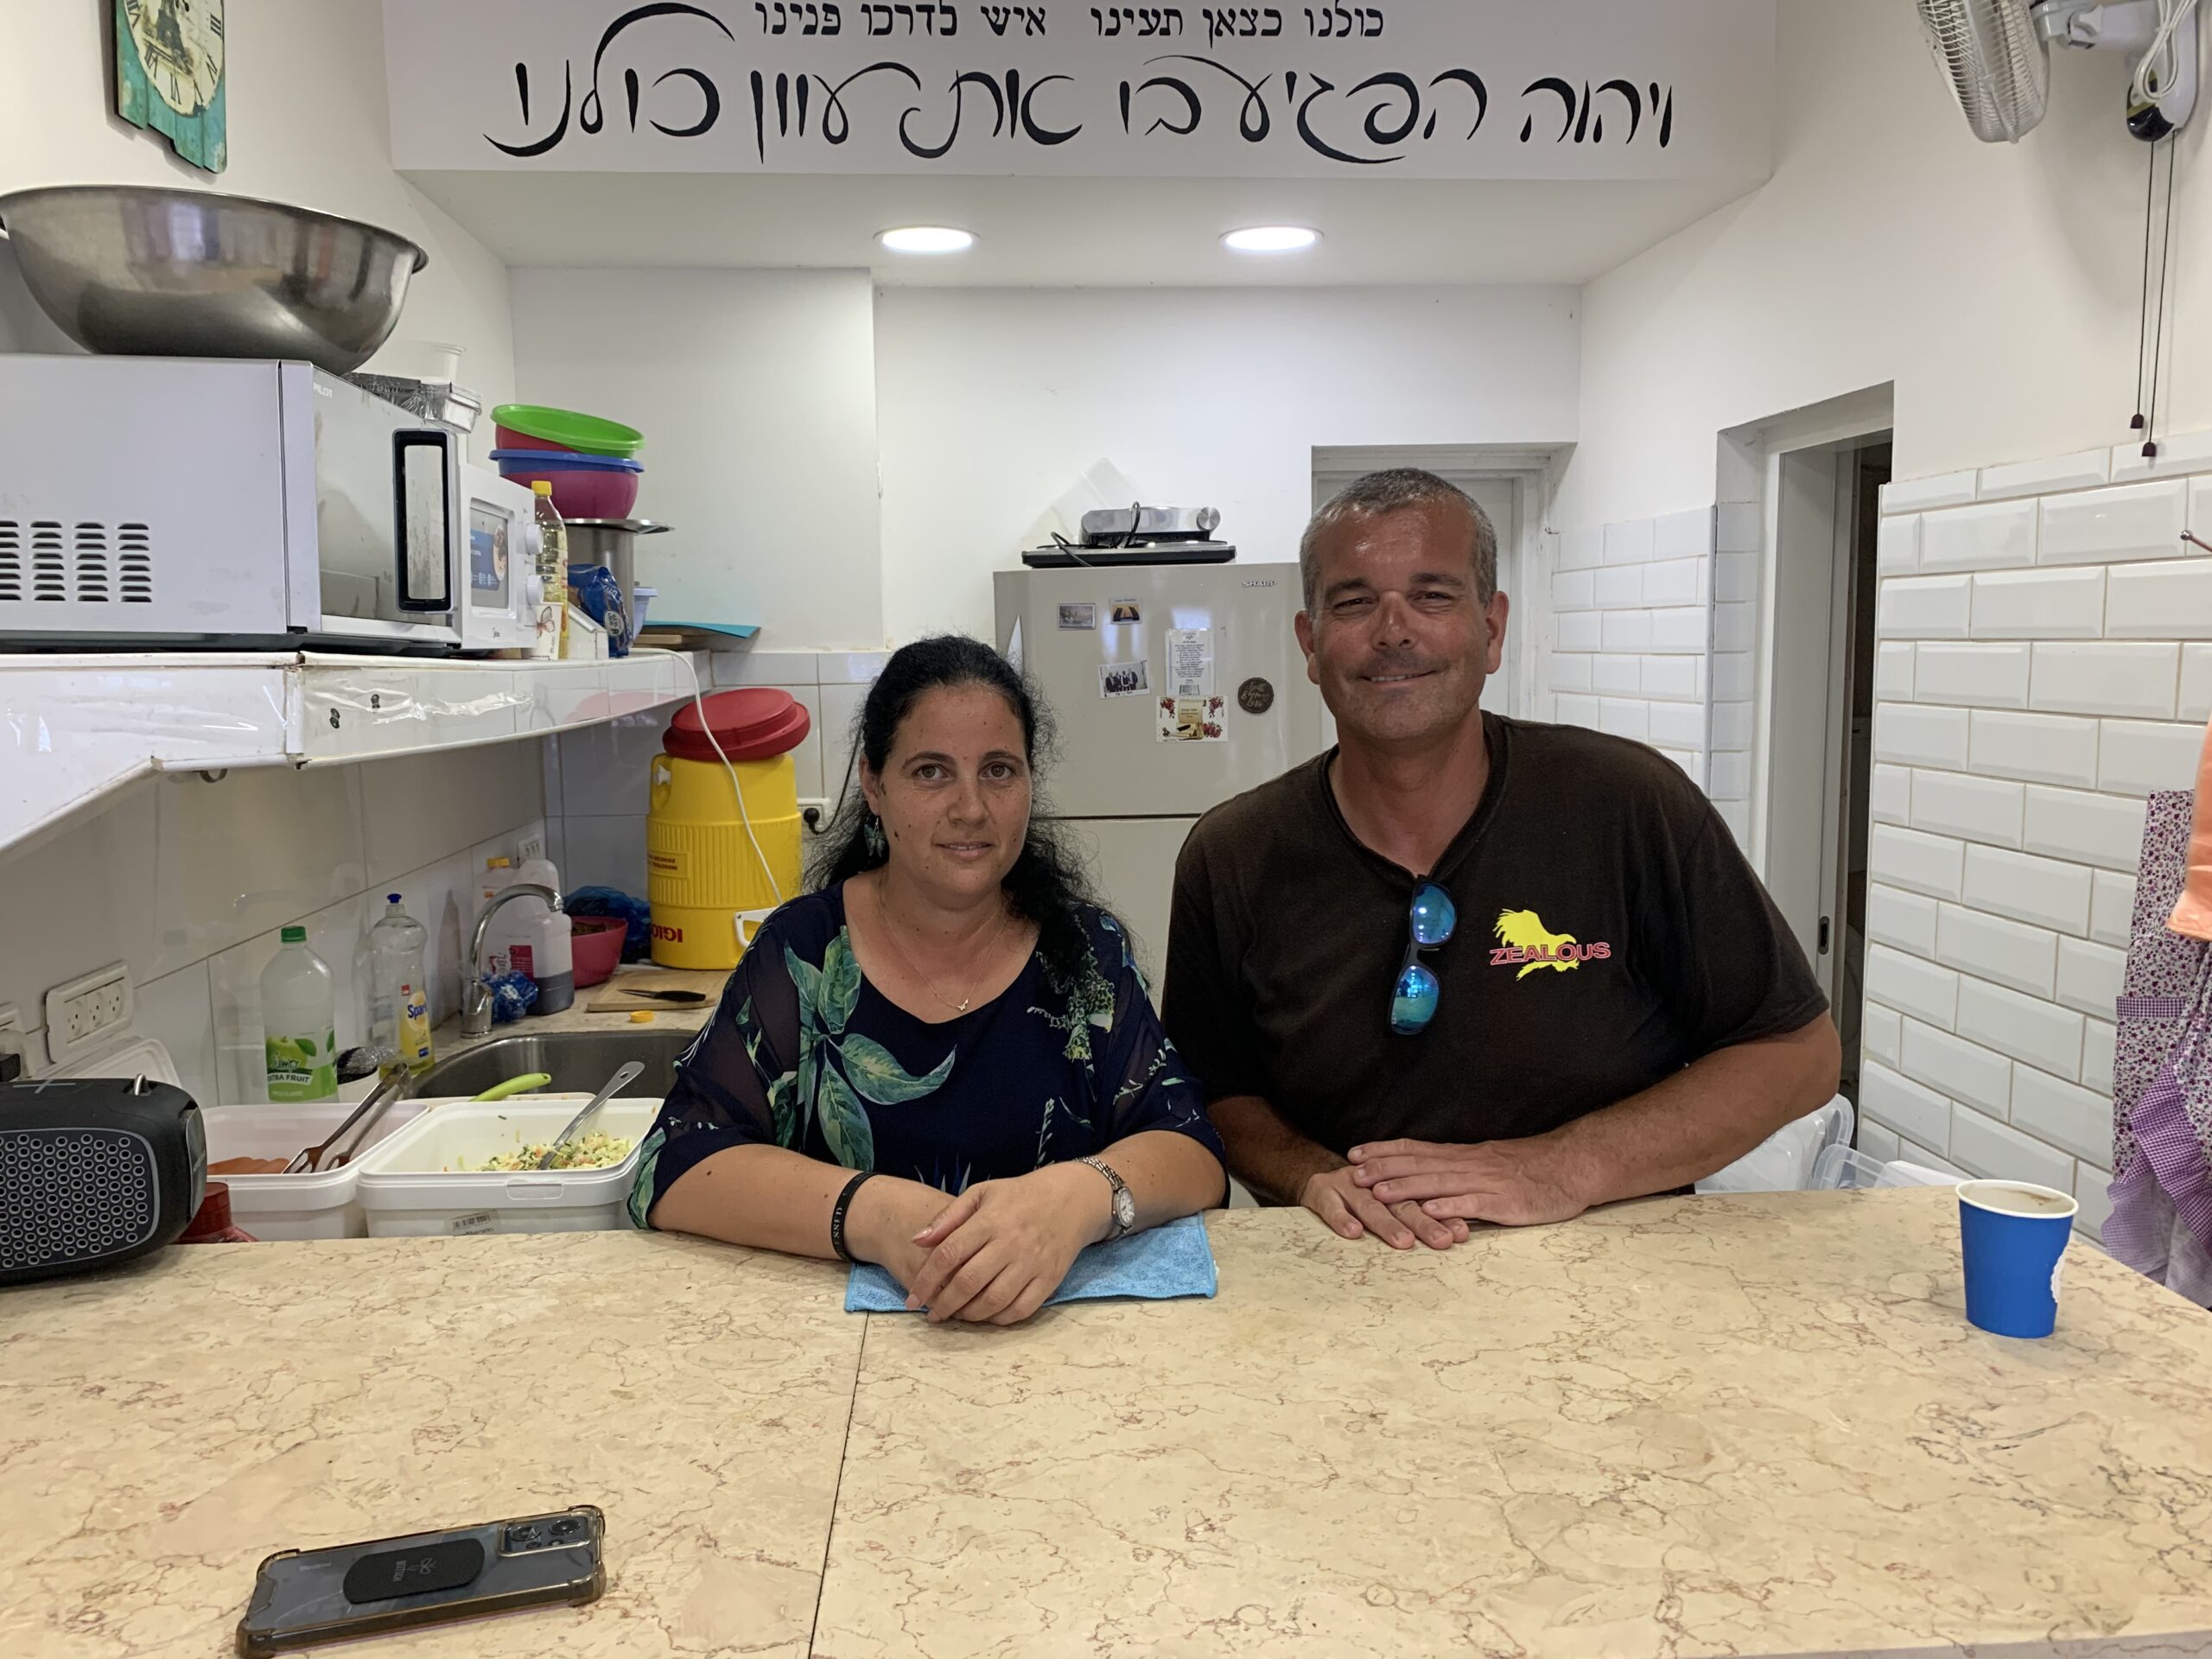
{"x":1748,"y":1425}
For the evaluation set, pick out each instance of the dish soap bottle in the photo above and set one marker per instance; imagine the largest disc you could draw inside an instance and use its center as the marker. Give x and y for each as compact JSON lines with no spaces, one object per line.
{"x":552,"y":576}
{"x":299,"y":1001}
{"x":399,"y":993}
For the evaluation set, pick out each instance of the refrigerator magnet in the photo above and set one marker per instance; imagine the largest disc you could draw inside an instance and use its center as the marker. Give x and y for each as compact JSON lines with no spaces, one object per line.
{"x":1124,"y":610}
{"x":1123,"y":680}
{"x":1079,"y":619}
{"x":1193,"y":720}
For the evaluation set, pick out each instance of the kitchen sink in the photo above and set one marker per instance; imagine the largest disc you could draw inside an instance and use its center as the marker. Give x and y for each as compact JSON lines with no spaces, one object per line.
{"x":579,"y":1062}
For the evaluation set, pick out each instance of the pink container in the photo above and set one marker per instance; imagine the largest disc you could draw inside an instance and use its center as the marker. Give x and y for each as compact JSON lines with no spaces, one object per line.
{"x":595,"y":945}
{"x":508,"y":438}
{"x":584,"y":487}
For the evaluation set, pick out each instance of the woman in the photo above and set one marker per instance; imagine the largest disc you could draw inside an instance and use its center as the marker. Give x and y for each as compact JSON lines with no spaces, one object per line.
{"x":943,"y":1060}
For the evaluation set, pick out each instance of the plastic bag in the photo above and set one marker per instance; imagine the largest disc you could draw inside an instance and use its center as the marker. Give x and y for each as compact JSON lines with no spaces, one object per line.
{"x":637,"y":940}
{"x":601,"y":596}
{"x":511,"y":995}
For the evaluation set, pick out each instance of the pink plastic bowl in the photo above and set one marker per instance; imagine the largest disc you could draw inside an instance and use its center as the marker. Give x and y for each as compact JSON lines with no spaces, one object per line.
{"x":510,"y":439}
{"x":595,"y":947}
{"x":580,"y":494}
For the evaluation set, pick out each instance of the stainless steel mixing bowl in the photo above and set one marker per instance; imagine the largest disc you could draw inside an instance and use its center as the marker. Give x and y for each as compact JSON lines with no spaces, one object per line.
{"x":146,"y":270}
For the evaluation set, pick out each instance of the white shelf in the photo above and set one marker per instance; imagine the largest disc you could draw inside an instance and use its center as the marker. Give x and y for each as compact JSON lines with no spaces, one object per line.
{"x":74,"y":728}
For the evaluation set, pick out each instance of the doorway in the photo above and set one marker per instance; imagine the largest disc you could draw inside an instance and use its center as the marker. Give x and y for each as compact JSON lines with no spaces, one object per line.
{"x":1820,"y":748}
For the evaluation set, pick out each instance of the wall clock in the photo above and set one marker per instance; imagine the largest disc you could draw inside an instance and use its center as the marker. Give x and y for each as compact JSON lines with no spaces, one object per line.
{"x":168,"y":75}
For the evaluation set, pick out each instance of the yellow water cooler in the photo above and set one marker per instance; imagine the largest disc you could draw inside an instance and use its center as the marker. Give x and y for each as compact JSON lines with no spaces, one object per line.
{"x":704,"y":877}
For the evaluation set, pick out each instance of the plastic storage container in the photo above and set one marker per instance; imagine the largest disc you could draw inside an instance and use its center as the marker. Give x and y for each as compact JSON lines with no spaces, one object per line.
{"x":1847,"y":1169}
{"x":702,"y":870}
{"x":1788,"y":1161}
{"x":320,"y":1206}
{"x":411,"y":1185}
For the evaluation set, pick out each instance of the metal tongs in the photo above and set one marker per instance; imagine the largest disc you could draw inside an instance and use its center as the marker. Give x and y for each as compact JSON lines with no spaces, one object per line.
{"x":371,"y":1109}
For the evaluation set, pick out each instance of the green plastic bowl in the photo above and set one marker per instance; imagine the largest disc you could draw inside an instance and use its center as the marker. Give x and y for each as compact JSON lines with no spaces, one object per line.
{"x":565,"y":429}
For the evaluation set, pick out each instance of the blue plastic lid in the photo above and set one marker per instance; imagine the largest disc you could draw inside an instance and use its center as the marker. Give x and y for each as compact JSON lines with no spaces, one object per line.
{"x":562,"y":461}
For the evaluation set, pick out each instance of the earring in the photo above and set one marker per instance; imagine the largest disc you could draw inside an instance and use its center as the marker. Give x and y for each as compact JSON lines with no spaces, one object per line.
{"x":871,"y":837}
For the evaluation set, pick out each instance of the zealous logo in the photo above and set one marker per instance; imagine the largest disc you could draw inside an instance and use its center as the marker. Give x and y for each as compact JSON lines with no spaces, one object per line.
{"x":1525,"y":943}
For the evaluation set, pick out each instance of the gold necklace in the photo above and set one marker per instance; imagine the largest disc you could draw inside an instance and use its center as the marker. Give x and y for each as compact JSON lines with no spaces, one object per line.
{"x":891,"y":939}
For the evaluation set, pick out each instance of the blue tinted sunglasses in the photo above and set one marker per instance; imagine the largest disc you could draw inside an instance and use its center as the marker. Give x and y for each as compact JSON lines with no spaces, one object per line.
{"x":1429,"y":923}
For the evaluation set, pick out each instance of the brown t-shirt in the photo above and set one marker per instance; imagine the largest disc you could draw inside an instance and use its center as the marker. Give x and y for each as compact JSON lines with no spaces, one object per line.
{"x":1288,"y":934}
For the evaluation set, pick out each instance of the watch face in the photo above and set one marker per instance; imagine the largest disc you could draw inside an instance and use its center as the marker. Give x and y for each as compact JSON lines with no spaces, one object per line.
{"x":1125,"y":1208}
{"x":181,"y":48}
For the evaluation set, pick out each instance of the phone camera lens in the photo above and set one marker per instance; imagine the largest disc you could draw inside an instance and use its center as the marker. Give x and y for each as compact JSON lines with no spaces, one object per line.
{"x":568,"y":1526}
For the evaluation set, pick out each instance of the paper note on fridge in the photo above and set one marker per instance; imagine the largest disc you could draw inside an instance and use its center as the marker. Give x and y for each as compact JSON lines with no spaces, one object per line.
{"x":1190,"y":663}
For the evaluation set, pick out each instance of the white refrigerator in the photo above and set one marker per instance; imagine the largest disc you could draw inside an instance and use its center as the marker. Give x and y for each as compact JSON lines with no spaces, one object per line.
{"x":1174,"y":687}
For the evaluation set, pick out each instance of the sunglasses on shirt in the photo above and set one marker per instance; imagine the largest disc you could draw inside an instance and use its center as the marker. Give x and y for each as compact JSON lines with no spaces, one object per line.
{"x":1429,"y":923}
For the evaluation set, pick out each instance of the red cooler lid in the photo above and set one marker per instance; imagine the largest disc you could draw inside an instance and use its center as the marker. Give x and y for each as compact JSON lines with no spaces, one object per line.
{"x":755,"y":723}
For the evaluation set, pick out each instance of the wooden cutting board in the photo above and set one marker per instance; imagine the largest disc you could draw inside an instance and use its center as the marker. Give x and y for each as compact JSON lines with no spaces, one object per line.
{"x":608,"y":998}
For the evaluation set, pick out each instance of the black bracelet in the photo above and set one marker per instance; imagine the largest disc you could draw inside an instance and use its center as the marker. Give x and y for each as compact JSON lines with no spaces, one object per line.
{"x":837,"y":1214}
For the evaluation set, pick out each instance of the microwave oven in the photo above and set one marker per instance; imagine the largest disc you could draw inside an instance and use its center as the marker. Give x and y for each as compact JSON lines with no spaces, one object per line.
{"x":154,"y":503}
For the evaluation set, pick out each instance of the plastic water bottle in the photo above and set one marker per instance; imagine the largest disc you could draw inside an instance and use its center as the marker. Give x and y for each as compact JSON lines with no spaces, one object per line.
{"x":299,"y":1001}
{"x":552,"y":575}
{"x":399,"y":989}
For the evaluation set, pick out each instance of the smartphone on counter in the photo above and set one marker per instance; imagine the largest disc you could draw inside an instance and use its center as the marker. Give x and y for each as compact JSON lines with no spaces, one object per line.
{"x":304,"y":1598}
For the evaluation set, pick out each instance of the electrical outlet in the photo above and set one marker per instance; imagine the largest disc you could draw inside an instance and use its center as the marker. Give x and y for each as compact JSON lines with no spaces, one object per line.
{"x":814,"y":816}
{"x":530,"y":847}
{"x":87,"y":1012}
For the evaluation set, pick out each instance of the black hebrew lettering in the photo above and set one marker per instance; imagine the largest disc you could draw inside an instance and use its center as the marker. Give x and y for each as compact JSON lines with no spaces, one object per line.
{"x":1182,"y":88}
{"x":1473,"y":82}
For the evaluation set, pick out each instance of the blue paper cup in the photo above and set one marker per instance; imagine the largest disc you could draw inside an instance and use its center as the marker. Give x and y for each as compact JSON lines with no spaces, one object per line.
{"x":2013,"y":1235}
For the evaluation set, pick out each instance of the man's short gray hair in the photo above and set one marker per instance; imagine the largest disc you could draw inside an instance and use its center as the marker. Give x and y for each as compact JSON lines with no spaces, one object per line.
{"x":1392,"y":492}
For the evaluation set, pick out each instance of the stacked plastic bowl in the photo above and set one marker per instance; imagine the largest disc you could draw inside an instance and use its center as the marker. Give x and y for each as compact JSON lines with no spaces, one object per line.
{"x":591,"y":463}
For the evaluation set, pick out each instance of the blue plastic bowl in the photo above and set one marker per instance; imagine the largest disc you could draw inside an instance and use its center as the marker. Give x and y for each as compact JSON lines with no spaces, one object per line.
{"x":562,"y":461}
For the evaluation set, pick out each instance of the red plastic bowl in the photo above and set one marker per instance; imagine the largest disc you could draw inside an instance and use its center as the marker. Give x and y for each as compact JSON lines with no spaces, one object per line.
{"x":595,"y":947}
{"x":578,"y":494}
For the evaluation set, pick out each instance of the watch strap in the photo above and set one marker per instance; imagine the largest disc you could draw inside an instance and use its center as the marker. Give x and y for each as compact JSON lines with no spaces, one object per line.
{"x":1120,"y":1228}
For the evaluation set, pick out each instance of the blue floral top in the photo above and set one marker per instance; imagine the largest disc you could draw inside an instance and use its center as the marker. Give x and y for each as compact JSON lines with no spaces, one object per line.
{"x":804,"y":1053}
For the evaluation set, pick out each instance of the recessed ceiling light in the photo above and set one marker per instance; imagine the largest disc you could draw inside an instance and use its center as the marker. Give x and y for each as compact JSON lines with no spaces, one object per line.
{"x":927,"y":239}
{"x":1272,"y":238}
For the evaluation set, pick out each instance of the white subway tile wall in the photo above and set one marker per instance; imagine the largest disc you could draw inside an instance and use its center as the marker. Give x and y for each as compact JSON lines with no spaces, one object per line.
{"x":1632,"y":637}
{"x":187,"y":881}
{"x":1990,"y":538}
{"x":2059,"y":616}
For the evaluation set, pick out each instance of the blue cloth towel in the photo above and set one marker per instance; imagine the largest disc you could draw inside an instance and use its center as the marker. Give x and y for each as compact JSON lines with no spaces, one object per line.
{"x":1157,"y":1265}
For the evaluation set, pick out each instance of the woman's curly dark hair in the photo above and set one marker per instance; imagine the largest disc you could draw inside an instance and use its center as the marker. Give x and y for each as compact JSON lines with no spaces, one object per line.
{"x":1047,"y":883}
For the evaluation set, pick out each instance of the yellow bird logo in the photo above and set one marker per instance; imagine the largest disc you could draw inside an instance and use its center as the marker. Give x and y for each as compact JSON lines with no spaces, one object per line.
{"x":1525,"y":941}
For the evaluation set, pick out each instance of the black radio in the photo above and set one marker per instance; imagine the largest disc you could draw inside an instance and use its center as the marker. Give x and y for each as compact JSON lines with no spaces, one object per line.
{"x":94,"y":1171}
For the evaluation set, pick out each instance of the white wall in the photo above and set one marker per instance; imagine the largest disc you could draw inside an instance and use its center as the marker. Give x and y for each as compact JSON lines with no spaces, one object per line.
{"x":2036,"y":678}
{"x":187,"y":881}
{"x":756,"y":393}
{"x":2032,"y":687}
{"x":993,"y":402}
{"x":308,"y":126}
{"x":1996,"y":286}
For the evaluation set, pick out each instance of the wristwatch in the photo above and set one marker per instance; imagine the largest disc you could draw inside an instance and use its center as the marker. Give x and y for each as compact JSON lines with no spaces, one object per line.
{"x":1125,"y":1204}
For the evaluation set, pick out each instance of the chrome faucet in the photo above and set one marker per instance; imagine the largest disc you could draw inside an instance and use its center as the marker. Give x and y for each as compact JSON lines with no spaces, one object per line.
{"x":475,"y":994}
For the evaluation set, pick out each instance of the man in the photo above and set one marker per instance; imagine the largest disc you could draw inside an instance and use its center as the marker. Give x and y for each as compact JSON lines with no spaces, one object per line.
{"x":1618,"y":1009}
